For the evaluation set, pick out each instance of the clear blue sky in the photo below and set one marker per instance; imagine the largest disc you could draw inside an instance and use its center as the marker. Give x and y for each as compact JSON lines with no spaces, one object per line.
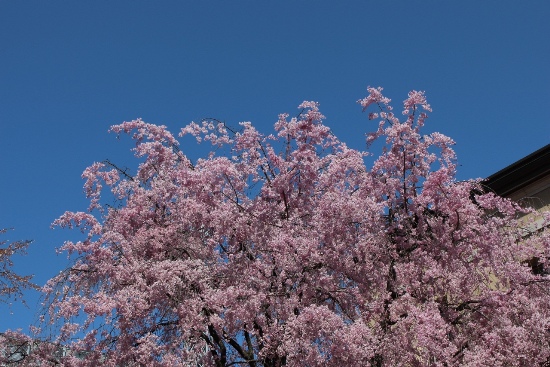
{"x":71,"y":69}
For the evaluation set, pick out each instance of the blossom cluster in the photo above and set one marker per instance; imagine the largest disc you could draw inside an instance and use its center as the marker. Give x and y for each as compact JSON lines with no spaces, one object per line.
{"x":291,"y":250}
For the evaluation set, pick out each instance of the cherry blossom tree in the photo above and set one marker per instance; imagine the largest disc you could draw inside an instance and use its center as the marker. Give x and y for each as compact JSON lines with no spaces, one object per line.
{"x":12,"y":286}
{"x":11,"y":283}
{"x":289,"y":249}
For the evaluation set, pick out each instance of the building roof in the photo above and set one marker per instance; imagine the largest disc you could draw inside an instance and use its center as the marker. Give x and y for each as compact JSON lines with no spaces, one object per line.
{"x":521,"y":173}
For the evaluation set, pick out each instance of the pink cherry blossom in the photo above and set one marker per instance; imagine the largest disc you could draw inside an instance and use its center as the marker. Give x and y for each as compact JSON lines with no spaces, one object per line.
{"x":290,"y":250}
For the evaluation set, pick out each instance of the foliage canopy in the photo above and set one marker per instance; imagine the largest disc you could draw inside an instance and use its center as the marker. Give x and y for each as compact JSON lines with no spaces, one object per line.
{"x":290,"y":250}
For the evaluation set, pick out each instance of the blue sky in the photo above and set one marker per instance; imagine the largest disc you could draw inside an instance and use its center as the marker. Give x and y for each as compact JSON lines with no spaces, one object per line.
{"x":69,"y":70}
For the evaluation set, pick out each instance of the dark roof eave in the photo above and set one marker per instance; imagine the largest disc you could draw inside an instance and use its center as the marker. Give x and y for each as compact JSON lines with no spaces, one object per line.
{"x":521,"y":173}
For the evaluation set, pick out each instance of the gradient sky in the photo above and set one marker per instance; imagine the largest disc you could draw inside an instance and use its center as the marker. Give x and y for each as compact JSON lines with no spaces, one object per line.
{"x":71,"y":69}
